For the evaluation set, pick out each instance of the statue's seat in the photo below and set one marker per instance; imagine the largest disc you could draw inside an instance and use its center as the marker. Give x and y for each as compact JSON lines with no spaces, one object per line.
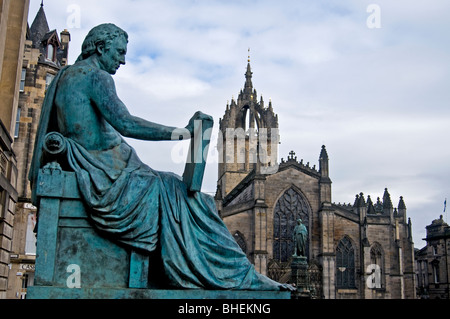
{"x":71,"y":253}
{"x":75,"y":260}
{"x":68,"y":243}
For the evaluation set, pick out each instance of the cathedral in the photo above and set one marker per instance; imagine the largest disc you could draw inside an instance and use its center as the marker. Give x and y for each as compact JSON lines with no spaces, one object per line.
{"x":364,"y":250}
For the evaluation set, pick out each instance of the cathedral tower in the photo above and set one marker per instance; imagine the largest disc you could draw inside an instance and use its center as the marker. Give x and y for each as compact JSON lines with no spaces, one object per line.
{"x":355,"y":251}
{"x":249,"y":138}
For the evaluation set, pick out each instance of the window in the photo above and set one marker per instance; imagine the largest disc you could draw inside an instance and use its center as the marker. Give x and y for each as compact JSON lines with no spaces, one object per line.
{"x":50,"y":52}
{"x":345,"y":264}
{"x":435,"y":250}
{"x":290,"y":207}
{"x":22,"y":80}
{"x":25,"y":281}
{"x":435,"y":266}
{"x":283,"y":246}
{"x":240,"y":241}
{"x":48,"y":80}
{"x":3,"y":164}
{"x":1,"y":203}
{"x":376,"y":258}
{"x":30,"y":240}
{"x":375,"y":255}
{"x":17,"y":128}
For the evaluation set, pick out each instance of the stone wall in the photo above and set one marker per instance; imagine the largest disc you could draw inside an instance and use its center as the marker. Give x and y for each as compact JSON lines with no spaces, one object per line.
{"x":13,"y":23}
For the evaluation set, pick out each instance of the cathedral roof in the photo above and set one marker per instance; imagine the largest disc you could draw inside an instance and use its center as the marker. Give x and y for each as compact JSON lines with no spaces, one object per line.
{"x":292,"y":162}
{"x":323,"y":153}
{"x":370,"y":207}
{"x":401,"y":203}
{"x":387,"y":202}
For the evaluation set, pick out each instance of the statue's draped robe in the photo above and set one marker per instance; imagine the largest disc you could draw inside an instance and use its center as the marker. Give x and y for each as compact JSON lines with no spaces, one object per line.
{"x":301,"y":236}
{"x":147,"y":209}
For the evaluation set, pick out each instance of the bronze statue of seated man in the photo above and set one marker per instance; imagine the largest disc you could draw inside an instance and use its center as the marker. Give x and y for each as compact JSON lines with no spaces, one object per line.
{"x":127,"y":200}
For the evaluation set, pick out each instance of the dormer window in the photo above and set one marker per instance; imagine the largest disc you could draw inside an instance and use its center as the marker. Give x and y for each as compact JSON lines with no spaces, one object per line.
{"x":50,"y":44}
{"x":51,"y":52}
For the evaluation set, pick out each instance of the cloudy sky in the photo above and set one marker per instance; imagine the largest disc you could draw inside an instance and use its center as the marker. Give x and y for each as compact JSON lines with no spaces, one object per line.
{"x":370,"y":79}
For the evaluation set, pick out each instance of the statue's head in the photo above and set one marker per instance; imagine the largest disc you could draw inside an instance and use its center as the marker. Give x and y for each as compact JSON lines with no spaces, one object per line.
{"x":299,"y":221}
{"x":109,"y":43}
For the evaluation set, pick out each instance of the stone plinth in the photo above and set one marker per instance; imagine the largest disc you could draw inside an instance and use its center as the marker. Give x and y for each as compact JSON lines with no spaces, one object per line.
{"x":75,"y":262}
{"x":111,"y":293}
{"x":300,"y":277}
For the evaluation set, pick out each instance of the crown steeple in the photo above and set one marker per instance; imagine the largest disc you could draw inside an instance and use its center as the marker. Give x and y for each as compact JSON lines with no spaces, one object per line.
{"x":248,"y":88}
{"x":247,"y":111}
{"x":250,"y":137}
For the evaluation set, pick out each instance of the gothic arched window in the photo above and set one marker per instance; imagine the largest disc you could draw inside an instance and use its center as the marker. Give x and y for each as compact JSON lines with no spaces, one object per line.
{"x":376,"y":258}
{"x":290,"y":207}
{"x":345,"y":264}
{"x":376,"y":255}
{"x":240,"y":240}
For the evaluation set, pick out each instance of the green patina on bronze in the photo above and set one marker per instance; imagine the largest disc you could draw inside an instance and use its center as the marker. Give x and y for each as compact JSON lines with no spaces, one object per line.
{"x":300,"y":238}
{"x":125,"y":201}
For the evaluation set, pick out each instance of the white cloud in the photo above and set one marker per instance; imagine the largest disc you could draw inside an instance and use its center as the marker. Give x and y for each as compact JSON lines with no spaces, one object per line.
{"x":159,"y":84}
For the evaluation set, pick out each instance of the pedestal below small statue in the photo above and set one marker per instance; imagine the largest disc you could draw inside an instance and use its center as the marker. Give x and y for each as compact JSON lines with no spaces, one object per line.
{"x":300,"y":277}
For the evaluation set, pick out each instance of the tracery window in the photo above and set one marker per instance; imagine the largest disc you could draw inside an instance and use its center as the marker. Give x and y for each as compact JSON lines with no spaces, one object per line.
{"x":345,"y":264}
{"x":240,"y":240}
{"x":376,"y":258}
{"x":290,"y":207}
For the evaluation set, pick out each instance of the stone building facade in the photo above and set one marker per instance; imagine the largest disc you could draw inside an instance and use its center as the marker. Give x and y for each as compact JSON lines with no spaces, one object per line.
{"x":45,"y":52}
{"x":13,"y":22}
{"x":359,"y":250}
{"x":433,"y":262}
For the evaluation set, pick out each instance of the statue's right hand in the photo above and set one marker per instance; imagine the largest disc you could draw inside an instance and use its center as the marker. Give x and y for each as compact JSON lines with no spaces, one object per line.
{"x":190,"y":126}
{"x":198,"y":116}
